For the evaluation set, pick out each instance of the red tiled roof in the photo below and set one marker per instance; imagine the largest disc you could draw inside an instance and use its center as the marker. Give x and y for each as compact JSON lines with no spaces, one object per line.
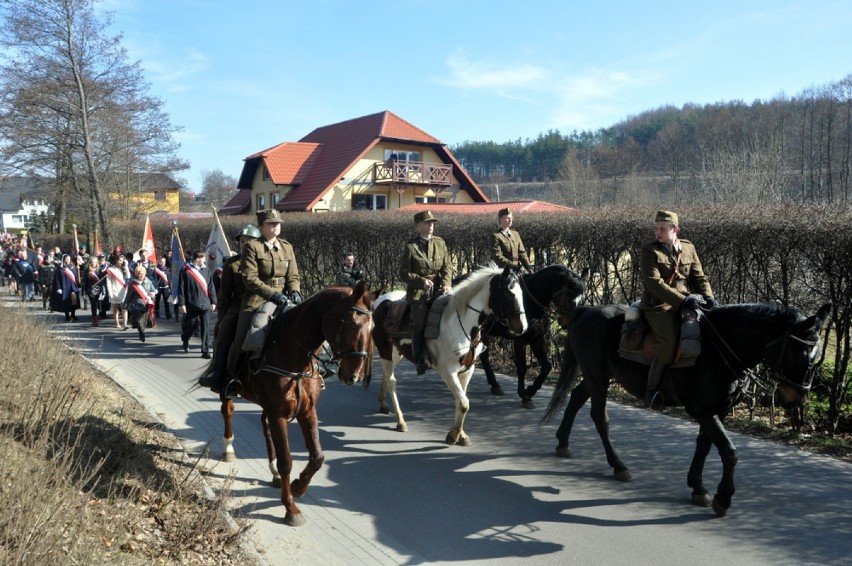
{"x":239,"y":204}
{"x":516,"y":206}
{"x":317,"y":162}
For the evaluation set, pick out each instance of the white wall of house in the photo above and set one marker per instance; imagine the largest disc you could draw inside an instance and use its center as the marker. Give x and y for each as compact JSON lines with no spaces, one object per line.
{"x":18,"y":220}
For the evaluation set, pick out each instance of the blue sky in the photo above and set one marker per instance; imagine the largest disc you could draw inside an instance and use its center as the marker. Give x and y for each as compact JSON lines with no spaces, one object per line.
{"x":241,"y":76}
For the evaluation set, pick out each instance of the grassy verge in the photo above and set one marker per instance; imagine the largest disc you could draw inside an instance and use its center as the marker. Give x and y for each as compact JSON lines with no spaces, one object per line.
{"x":87,"y":476}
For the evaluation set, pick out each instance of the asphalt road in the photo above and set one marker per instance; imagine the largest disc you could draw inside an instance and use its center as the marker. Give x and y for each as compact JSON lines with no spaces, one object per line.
{"x":385,"y":497}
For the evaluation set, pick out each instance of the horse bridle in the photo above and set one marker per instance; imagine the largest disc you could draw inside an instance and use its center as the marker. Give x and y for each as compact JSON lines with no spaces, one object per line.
{"x":337,"y":358}
{"x":498,"y":313}
{"x":809,"y":374}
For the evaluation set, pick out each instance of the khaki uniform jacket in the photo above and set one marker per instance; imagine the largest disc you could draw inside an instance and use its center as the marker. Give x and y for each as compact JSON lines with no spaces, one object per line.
{"x":509,"y":251}
{"x":267,"y":269}
{"x":656,"y":267}
{"x":231,"y":287}
{"x":417,"y":264}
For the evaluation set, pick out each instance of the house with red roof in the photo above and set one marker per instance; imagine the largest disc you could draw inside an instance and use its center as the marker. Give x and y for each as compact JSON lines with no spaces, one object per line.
{"x":375,"y":162}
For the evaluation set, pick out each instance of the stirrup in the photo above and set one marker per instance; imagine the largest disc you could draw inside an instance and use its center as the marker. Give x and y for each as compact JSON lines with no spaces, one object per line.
{"x":654,"y":400}
{"x":231,"y":389}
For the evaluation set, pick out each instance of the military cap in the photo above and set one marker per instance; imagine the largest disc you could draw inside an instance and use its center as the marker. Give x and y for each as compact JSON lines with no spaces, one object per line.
{"x":424,"y":216}
{"x":504,"y":212}
{"x":269,"y":215}
{"x":666,"y":216}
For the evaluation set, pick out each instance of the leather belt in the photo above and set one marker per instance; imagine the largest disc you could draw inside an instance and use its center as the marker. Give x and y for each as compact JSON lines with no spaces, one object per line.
{"x":275,"y":282}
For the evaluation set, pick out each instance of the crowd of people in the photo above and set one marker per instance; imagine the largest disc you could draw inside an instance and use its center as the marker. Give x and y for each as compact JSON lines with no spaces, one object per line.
{"x":263,"y":279}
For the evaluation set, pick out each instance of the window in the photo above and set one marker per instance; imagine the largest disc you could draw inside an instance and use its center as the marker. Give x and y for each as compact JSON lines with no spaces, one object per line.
{"x":369,"y":202}
{"x":424,"y":200}
{"x":402,"y":155}
{"x":20,"y":218}
{"x":261,"y":202}
{"x":265,"y":173}
{"x":274,"y":198}
{"x":159,"y":194}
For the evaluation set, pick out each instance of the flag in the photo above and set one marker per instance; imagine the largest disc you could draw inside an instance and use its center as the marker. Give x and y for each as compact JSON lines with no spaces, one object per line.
{"x":75,"y":245}
{"x":98,"y":249}
{"x":178,"y":260}
{"x":217,"y":245}
{"x":148,"y":242}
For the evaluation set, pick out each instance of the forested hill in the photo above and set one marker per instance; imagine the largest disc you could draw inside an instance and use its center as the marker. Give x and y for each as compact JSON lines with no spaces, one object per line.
{"x":787,"y":149}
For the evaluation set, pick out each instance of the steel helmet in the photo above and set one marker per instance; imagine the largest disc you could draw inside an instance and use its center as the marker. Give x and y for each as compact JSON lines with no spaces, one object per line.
{"x":248,"y":230}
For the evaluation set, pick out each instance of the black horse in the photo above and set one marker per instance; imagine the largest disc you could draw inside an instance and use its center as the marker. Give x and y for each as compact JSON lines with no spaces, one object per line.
{"x":553,"y":285}
{"x":735,"y":339}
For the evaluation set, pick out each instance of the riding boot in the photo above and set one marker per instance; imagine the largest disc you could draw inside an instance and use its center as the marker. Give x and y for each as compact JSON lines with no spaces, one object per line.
{"x":418,"y":352}
{"x":216,"y":376}
{"x":653,"y":397}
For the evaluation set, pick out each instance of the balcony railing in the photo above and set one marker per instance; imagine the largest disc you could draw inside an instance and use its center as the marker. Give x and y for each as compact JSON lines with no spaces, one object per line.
{"x":413,"y":173}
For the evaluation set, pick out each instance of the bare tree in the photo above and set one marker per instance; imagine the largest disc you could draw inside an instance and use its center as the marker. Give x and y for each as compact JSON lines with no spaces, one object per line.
{"x":72,"y":101}
{"x":217,"y":188}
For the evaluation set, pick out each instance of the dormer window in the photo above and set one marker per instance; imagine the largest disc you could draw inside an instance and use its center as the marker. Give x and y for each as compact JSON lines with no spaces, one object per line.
{"x":265,"y":173}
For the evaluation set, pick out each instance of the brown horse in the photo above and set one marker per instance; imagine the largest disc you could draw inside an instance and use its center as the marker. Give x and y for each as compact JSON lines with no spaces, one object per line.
{"x":286,"y":380}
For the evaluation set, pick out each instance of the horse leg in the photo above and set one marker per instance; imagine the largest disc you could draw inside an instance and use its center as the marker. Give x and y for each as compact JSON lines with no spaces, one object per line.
{"x":227,"y":410}
{"x":278,"y":427}
{"x":485,"y":358}
{"x":601,"y":420}
{"x":540,"y":349}
{"x":712,"y":426}
{"x":694,"y":478}
{"x":578,"y":398}
{"x":309,"y":424}
{"x":270,"y":449}
{"x":457,"y":382}
{"x":388,"y":389}
{"x":519,"y":351}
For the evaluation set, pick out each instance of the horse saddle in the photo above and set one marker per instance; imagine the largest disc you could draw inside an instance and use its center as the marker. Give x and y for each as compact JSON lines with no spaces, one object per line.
{"x":398,"y":320}
{"x":637,"y":339}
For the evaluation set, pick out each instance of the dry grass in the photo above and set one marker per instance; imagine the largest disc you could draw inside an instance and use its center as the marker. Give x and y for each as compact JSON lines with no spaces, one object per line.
{"x":86,"y":476}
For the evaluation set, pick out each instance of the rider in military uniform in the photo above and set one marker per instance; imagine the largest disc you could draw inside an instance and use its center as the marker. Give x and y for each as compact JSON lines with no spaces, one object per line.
{"x":268,"y":268}
{"x":425,"y":268}
{"x":229,"y":302}
{"x":670,"y":272}
{"x":507,"y":248}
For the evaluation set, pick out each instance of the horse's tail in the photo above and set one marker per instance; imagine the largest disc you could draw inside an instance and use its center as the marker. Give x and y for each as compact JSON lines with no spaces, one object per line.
{"x":567,"y":374}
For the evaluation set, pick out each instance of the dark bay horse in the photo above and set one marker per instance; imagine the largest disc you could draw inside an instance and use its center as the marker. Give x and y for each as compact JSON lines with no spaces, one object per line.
{"x":487,"y":291}
{"x":553,"y":290}
{"x":735,"y":339}
{"x":286,"y":380}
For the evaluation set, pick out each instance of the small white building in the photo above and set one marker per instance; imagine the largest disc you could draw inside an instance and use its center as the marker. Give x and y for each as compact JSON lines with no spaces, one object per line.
{"x":21,"y":199}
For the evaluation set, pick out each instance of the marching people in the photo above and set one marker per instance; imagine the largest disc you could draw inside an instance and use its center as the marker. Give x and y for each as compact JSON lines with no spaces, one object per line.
{"x":349,"y":275}
{"x":117,"y":276}
{"x":269,"y":271}
{"x":46,"y":274}
{"x":671,"y":272}
{"x":93,"y":287}
{"x":507,"y":248}
{"x":139,"y":299}
{"x":26,"y":275}
{"x":66,"y":289}
{"x":229,"y":302}
{"x":425,"y":268}
{"x":162,"y":276}
{"x":104,"y":304}
{"x":196,"y":299}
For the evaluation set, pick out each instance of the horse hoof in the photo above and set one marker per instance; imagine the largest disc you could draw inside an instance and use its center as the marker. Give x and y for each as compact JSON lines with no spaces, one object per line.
{"x":563,"y":452}
{"x":276,"y":483}
{"x":623,"y":475}
{"x":719,"y":509}
{"x":702,"y":499}
{"x":384,"y":410}
{"x":496,"y":390}
{"x":229,"y":457}
{"x":294,"y":520}
{"x":463,"y":441}
{"x":401,"y":427}
{"x":527,"y":403}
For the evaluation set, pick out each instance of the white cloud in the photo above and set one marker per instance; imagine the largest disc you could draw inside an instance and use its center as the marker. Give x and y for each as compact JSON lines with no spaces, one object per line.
{"x":469,"y":75}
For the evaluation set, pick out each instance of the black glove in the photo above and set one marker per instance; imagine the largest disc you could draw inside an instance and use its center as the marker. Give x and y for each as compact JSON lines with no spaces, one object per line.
{"x":710,"y":303}
{"x":279,"y":299}
{"x":295,"y":297}
{"x":692,"y":302}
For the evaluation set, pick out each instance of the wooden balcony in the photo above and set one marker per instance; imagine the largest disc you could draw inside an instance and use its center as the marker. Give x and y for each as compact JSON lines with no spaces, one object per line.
{"x":413,"y":173}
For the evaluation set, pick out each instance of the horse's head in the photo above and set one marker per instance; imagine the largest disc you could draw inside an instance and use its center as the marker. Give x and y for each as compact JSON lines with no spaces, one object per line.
{"x":796,"y":356}
{"x":506,"y":301}
{"x":348,"y":332}
{"x":568,"y":297}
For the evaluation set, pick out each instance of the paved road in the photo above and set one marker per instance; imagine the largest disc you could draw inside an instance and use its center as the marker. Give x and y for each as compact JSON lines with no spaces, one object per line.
{"x":385,"y":497}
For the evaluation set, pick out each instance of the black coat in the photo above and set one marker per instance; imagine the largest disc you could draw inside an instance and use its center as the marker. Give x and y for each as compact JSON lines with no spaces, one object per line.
{"x":191,"y":293}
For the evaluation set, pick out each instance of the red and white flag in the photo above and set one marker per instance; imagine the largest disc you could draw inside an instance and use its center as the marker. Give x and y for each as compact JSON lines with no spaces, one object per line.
{"x":148,"y":242}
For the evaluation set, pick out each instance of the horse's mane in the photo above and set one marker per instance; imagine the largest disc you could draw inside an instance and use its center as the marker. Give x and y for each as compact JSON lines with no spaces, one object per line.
{"x":277,"y":325}
{"x":744,"y":315}
{"x":473,"y":282}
